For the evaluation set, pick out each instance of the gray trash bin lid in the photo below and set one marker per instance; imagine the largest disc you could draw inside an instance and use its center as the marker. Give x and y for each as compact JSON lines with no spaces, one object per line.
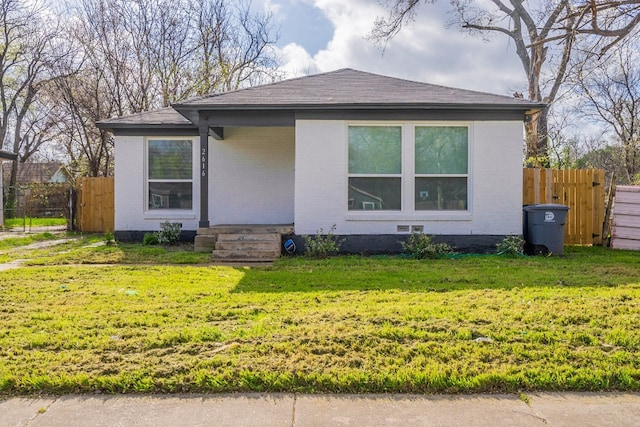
{"x":546,"y":207}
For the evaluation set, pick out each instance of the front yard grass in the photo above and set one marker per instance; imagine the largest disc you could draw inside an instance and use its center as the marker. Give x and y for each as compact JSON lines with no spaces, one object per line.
{"x":348,"y":324}
{"x":33,"y":222}
{"x":91,"y":249}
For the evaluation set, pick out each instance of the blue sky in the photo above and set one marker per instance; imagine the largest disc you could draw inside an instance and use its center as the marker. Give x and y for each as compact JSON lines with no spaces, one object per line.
{"x":324,"y":35}
{"x":302,"y":23}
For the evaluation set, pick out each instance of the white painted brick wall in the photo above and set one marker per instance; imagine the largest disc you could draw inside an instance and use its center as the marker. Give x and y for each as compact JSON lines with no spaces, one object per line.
{"x":252,"y":176}
{"x":251,"y":181}
{"x":498,"y":178}
{"x":259,"y":175}
{"x":495,"y":191}
{"x":129,"y":172}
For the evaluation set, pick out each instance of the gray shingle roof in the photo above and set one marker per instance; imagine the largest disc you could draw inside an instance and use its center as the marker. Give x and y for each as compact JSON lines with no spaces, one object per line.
{"x":163,"y":117}
{"x":349,"y":87}
{"x":345,"y":89}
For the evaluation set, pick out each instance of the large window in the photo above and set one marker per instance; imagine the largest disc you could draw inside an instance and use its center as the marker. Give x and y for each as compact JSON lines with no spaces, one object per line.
{"x":441,"y":167}
{"x":375,"y":168}
{"x":428,"y":165}
{"x":170,"y":173}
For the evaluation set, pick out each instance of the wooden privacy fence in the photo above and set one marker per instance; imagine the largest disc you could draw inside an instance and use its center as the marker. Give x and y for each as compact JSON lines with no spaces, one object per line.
{"x":95,"y":205}
{"x":580,"y":189}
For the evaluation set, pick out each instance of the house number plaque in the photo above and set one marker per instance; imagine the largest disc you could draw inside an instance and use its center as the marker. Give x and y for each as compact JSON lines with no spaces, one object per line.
{"x":203,"y":162}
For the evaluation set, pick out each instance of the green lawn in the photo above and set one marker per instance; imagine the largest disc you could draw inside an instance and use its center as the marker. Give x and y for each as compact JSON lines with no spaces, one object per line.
{"x":349,"y":324}
{"x":33,"y":222}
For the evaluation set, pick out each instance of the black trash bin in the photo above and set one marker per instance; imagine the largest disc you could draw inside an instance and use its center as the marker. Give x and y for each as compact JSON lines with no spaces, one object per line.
{"x":544,"y":229}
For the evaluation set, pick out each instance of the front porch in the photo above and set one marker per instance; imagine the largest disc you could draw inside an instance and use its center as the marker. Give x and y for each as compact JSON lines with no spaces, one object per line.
{"x":242,"y":242}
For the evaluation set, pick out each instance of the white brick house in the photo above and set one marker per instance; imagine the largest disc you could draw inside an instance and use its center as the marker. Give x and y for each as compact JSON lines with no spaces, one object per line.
{"x":378,"y":157}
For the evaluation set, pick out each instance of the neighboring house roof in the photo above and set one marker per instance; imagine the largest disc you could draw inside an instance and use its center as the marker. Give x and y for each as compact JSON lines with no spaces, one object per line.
{"x":7,"y":155}
{"x":29,"y":173}
{"x":333,"y":93}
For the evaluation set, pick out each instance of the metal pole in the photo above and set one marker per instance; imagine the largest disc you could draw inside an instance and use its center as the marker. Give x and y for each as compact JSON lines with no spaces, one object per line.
{"x":1,"y":196}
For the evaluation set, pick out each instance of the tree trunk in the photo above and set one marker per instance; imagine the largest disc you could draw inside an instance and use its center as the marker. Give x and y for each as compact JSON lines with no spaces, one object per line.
{"x":536,"y":133}
{"x":536,"y":127}
{"x":630,"y":160}
{"x":542,"y":137}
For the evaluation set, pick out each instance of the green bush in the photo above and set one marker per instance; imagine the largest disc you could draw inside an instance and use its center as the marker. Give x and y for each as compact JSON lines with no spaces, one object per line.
{"x":510,"y":246}
{"x":109,"y":238}
{"x":420,"y":246}
{"x":321,"y":245}
{"x":169,"y":234}
{"x":150,"y":239}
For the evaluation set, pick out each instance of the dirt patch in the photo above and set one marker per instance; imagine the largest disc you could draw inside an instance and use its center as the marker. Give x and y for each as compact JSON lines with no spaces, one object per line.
{"x":31,"y":247}
{"x":11,"y":265}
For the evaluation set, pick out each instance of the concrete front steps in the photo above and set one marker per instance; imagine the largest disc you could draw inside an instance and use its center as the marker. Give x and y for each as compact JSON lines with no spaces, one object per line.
{"x":247,"y":247}
{"x":242,"y":243}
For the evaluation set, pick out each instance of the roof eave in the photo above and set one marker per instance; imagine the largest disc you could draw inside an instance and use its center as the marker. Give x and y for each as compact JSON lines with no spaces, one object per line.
{"x":105,"y":124}
{"x":194,"y":112}
{"x":7,"y":155}
{"x":138,"y":129}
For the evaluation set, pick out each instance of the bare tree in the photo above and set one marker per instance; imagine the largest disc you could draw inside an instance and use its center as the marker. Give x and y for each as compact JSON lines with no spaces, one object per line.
{"x":544,"y":34}
{"x":28,"y":49}
{"x":84,"y":98}
{"x":135,"y":55}
{"x":233,"y":46}
{"x":113,"y":35}
{"x":161,"y":51}
{"x":37,"y":128}
{"x":171,"y":50}
{"x":565,"y":148}
{"x":614,"y":20}
{"x":611,"y":93}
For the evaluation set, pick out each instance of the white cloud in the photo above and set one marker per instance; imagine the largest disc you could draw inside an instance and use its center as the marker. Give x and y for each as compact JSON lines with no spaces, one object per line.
{"x":272,"y":7}
{"x":297,"y":61}
{"x":423,"y":51}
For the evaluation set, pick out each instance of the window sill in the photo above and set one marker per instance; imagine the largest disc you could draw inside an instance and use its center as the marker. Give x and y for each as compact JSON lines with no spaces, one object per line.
{"x":413,"y":216}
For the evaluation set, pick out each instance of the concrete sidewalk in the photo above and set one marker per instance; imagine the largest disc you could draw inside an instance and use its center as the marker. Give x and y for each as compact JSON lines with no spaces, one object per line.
{"x":543,"y":409}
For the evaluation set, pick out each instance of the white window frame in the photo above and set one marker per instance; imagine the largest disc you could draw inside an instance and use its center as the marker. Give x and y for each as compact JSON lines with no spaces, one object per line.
{"x":147,"y":180}
{"x":408,"y":176}
{"x":389,"y":175}
{"x":432,"y":175}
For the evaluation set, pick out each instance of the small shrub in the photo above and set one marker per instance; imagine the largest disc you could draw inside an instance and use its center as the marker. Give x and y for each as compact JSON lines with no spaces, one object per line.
{"x":510,"y":246}
{"x":321,"y":245}
{"x":169,"y":234}
{"x":420,"y":246}
{"x":109,"y":238}
{"x":150,"y":239}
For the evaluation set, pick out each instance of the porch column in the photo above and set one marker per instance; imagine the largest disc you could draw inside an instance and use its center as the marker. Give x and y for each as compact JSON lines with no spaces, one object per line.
{"x":203,"y":129}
